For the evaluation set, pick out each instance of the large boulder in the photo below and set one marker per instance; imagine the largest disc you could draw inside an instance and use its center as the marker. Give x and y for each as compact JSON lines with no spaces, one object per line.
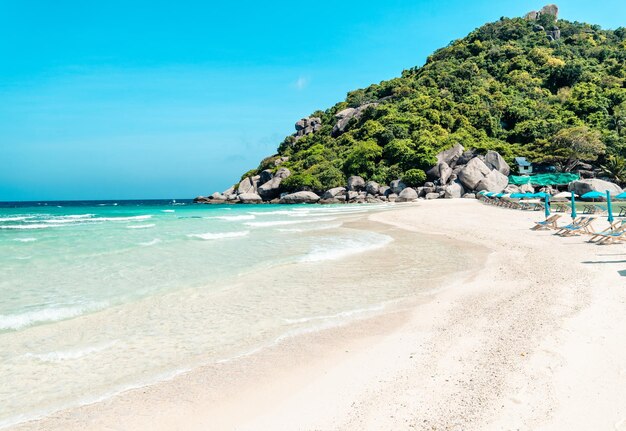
{"x":581,"y":187}
{"x":300,"y":198}
{"x":441,"y":171}
{"x":467,"y":156}
{"x":344,"y":116}
{"x":306,"y":126}
{"x":407,"y":195}
{"x":550,"y":9}
{"x":495,"y":161}
{"x":454,"y":190}
{"x":451,"y":155}
{"x":229,"y":191}
{"x":526,"y":188}
{"x":432,"y":196}
{"x":250,"y":198}
{"x":217,"y":196}
{"x":282,"y":173}
{"x":384,"y":190}
{"x":334,"y":192}
{"x":473,"y":173}
{"x":246,"y":186}
{"x":397,"y":186}
{"x":494,"y":181}
{"x":265,"y":176}
{"x":372,"y":187}
{"x":270,"y":189}
{"x":356,"y":183}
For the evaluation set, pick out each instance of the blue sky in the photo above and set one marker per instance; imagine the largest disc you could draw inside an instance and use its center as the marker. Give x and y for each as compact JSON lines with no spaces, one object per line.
{"x":163,"y":99}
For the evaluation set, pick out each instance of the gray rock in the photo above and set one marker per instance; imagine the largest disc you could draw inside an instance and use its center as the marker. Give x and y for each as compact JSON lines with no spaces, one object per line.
{"x":229,"y":191}
{"x":472,"y":173}
{"x":391,"y":197}
{"x":201,"y":200}
{"x":270,"y":189}
{"x":265,"y":176}
{"x":441,"y":171}
{"x":397,"y":186}
{"x":432,"y":196}
{"x":469,"y":196}
{"x":494,"y":181}
{"x":512,"y":188}
{"x":282,"y":173}
{"x":344,"y":116}
{"x":246,"y":186}
{"x":407,"y":195}
{"x":429,"y":184}
{"x":451,"y":155}
{"x":356,"y":183}
{"x":300,"y":198}
{"x":495,"y":161}
{"x":279,"y":161}
{"x":384,"y":190}
{"x":429,"y":190}
{"x":217,"y":196}
{"x":581,"y":187}
{"x":372,"y":187}
{"x":352,"y":195}
{"x":526,"y":188}
{"x":250,"y":198}
{"x":373,"y":199}
{"x":306,"y":126}
{"x":550,"y":9}
{"x":334,"y":192}
{"x":454,"y":191}
{"x":466,"y":157}
{"x":554,"y":33}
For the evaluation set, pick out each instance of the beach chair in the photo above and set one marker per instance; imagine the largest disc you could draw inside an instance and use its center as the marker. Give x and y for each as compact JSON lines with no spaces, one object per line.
{"x":617,"y":232}
{"x":577,"y":228}
{"x":561,"y":208}
{"x":622,"y":212}
{"x":549,"y":223}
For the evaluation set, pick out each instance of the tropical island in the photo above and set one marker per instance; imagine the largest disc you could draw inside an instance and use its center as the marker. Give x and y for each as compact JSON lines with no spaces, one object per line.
{"x":537,"y":88}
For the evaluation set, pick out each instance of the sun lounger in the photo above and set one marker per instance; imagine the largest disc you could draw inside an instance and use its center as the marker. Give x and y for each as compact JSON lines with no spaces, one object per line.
{"x":615,"y":233}
{"x":561,"y":208}
{"x":549,"y":223}
{"x":614,"y":227}
{"x":577,"y":228}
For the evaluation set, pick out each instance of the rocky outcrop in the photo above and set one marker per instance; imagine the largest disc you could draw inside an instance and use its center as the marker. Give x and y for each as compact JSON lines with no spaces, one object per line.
{"x":407,"y":195}
{"x":248,"y":185}
{"x":372,"y":187}
{"x":356,"y":183}
{"x":306,"y":126}
{"x":494,"y":181}
{"x":589,"y":185}
{"x":441,"y":171}
{"x":550,"y":9}
{"x":265,"y":176}
{"x":451,"y":155}
{"x":250,"y":198}
{"x":300,"y":198}
{"x":473,"y":173}
{"x":344,"y":116}
{"x":397,"y":186}
{"x":334,"y":192}
{"x":454,"y":190}
{"x":495,"y":161}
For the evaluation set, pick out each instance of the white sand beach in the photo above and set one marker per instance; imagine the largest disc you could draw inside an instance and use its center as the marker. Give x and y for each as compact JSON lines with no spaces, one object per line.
{"x":532,"y":338}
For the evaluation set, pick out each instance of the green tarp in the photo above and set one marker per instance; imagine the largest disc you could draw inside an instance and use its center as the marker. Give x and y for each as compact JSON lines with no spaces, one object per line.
{"x":543,"y":179}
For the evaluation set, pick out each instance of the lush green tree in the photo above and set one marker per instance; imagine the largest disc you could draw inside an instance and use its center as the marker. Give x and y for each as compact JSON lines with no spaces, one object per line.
{"x":414,"y":177}
{"x":362,"y":158}
{"x":575,"y":144}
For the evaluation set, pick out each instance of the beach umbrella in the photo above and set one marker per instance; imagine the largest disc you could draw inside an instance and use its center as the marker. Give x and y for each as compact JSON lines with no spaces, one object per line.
{"x":573,"y":206}
{"x":482,"y":192}
{"x":546,"y":205}
{"x":608,"y":206}
{"x":622,"y":195}
{"x":516,"y":195}
{"x":490,"y":194}
{"x":542,"y":195}
{"x":593,"y":195}
{"x":561,"y":196}
{"x":499,"y":195}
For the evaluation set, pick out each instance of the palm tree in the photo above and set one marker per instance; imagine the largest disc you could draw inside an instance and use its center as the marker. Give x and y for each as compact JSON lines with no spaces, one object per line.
{"x":615,"y":168}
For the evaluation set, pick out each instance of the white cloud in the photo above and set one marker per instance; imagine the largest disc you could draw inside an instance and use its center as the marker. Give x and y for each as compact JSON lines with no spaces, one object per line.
{"x":301,"y":83}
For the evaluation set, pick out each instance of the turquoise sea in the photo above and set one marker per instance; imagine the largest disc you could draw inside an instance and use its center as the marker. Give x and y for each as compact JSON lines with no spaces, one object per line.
{"x":100,"y":297}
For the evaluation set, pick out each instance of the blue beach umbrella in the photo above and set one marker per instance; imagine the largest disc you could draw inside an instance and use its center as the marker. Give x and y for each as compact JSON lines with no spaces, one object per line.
{"x":546,"y":205}
{"x":573,"y":206}
{"x":592,"y":195}
{"x":541,"y":195}
{"x":499,"y":195}
{"x":608,"y":206}
{"x":517,"y":195}
{"x":490,"y":194}
{"x":622,"y":195}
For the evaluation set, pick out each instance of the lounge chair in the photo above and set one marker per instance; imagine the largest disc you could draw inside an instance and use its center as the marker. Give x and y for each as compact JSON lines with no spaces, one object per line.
{"x":599,"y":235}
{"x":561,"y":208}
{"x":576,"y":228}
{"x":549,"y":223}
{"x":615,"y":233}
{"x":622,"y":212}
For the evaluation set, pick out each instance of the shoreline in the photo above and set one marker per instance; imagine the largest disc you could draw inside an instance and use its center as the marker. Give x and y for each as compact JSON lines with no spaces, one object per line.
{"x":396,"y":362}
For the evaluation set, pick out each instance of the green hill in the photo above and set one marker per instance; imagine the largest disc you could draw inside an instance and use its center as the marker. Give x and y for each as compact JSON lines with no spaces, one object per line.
{"x":538,"y":87}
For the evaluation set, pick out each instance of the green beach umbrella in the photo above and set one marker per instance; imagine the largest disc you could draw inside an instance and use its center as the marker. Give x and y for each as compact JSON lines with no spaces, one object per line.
{"x":573,"y":206}
{"x":608,"y":206}
{"x":546,"y":205}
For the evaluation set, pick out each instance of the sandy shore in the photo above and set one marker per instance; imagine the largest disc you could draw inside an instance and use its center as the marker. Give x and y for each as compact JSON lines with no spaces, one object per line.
{"x":534,"y":338}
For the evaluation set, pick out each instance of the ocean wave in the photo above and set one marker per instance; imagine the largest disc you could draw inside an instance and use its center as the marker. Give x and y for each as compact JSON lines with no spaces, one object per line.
{"x":149,"y":243}
{"x":139,"y":217}
{"x":340,"y":315}
{"x":140,"y":226}
{"x":16,"y":218}
{"x":312,"y":228}
{"x":27,"y":226}
{"x":25,"y":239}
{"x":29,"y":318}
{"x":345,"y":248}
{"x":219,"y":235}
{"x":234,"y":217}
{"x":279,"y":212}
{"x":168,"y":211}
{"x":286,"y":222}
{"x":64,"y":355}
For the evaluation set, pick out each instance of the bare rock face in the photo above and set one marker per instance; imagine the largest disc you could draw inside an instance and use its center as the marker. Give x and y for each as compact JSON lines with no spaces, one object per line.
{"x":473,"y":172}
{"x":451,"y":155}
{"x":397,"y":186}
{"x":554,"y":33}
{"x":306,"y":126}
{"x":270,"y":189}
{"x":454,"y":190}
{"x":246,"y":186}
{"x":494,"y":181}
{"x":300,"y":198}
{"x":384,"y":190}
{"x":334,"y":192}
{"x":495,"y":161}
{"x":441,"y":171}
{"x":356,"y":183}
{"x":550,"y":9}
{"x":372,"y":187}
{"x":250,"y":198}
{"x":431,"y":196}
{"x":407,"y":195}
{"x":280,"y":160}
{"x":265,"y":176}
{"x":344,"y":116}
{"x":526,"y":188}
{"x":590,"y":185}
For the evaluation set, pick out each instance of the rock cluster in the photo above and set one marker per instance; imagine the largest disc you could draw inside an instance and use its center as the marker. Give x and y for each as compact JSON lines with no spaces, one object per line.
{"x":344,"y":116}
{"x":553,"y":33}
{"x":306,"y":126}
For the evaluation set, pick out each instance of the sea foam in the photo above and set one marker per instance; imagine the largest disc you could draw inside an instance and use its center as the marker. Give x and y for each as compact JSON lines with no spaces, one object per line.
{"x":286,"y":222}
{"x":220,"y":235}
{"x":234,"y":218}
{"x":64,"y":355}
{"x":344,"y":249}
{"x":29,"y":318}
{"x":140,"y":226}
